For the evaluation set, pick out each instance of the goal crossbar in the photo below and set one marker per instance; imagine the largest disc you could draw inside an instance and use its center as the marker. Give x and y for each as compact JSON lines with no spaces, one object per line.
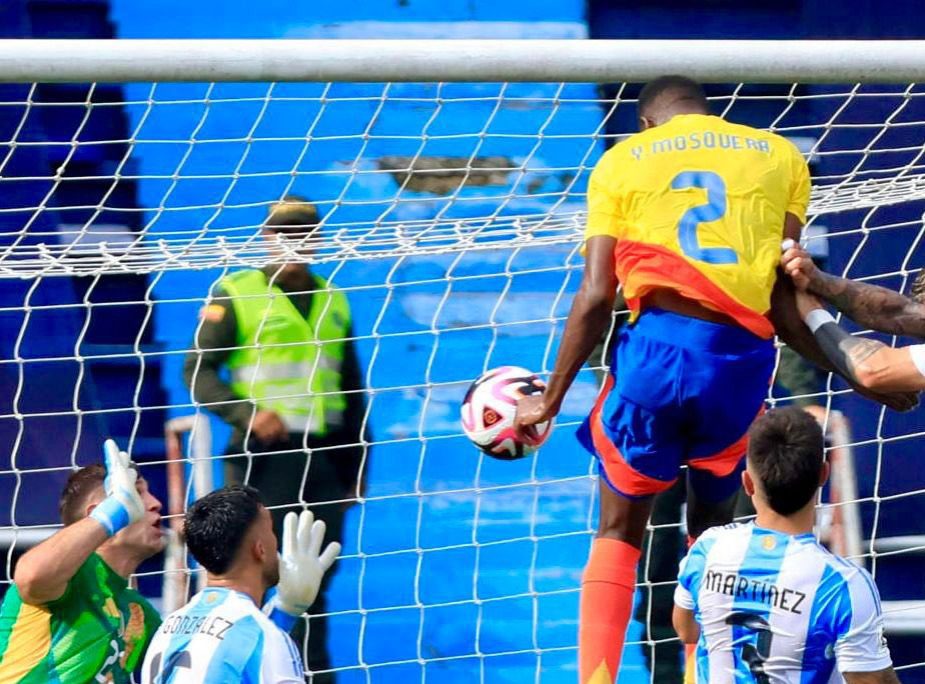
{"x":756,"y":61}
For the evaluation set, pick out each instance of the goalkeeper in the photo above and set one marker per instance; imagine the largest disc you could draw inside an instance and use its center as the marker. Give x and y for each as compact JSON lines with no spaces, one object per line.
{"x":70,"y":616}
{"x":295,"y":400}
{"x":221,"y":636}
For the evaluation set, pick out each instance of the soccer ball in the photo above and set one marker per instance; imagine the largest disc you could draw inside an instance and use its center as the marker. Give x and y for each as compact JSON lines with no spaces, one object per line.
{"x":488,"y":412}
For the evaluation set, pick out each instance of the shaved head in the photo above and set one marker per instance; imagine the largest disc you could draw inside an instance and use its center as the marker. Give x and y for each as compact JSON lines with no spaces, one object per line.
{"x":667,"y":96}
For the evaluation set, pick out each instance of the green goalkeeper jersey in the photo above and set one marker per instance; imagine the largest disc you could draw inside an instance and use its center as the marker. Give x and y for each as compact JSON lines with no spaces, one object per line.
{"x":96,"y":632}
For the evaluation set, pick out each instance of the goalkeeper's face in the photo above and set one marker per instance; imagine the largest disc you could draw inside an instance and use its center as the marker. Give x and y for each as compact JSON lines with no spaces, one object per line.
{"x":146,"y":537}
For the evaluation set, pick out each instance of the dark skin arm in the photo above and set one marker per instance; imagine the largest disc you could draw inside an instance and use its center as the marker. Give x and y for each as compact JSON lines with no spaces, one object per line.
{"x":784,"y":315}
{"x":789,"y":326}
{"x":588,"y":319}
{"x":887,"y":676}
{"x":872,"y":306}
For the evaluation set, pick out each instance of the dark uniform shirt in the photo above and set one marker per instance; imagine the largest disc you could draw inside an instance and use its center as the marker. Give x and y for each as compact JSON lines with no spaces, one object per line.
{"x":216,"y":339}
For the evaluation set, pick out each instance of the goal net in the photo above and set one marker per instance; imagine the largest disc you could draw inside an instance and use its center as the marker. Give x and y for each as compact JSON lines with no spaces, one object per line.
{"x":452,"y":207}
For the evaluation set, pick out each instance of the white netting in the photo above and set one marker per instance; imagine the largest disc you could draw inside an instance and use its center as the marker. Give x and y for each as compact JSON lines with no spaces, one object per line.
{"x":452,"y":217}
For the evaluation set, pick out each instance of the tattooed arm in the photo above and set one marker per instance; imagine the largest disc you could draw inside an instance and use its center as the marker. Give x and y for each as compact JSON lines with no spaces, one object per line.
{"x":871,"y":306}
{"x":866,"y":362}
{"x":788,"y":324}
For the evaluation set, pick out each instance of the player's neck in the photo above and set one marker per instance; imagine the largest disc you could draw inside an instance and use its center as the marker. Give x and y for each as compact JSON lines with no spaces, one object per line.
{"x":244,"y":583}
{"x":122,"y":561}
{"x":800,"y":522}
{"x":680,"y":110}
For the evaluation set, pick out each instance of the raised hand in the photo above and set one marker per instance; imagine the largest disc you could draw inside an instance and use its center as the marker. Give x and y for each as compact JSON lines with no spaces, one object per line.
{"x":302,"y":564}
{"x":798,"y":264}
{"x":122,"y":505}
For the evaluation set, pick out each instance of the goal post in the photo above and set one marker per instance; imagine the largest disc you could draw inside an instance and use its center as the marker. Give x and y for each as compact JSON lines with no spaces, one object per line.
{"x":450,"y":177}
{"x":188,"y":454}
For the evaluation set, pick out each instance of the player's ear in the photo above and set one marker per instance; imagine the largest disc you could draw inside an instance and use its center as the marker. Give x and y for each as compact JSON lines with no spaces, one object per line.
{"x":94,"y":500}
{"x":747,"y":483}
{"x":258,"y":549}
{"x":824,"y":473}
{"x":645,"y":123}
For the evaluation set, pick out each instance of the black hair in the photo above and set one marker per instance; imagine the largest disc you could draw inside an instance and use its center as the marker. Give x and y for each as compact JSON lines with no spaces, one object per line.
{"x":680,"y":88}
{"x":785,"y":451}
{"x":216,"y":525}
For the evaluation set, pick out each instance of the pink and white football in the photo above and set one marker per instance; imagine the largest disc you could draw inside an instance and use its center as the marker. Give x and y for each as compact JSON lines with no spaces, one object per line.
{"x":489,"y":408}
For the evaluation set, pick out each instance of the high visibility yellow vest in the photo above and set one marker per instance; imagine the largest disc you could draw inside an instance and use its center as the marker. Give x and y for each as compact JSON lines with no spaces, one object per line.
{"x":285,"y":362}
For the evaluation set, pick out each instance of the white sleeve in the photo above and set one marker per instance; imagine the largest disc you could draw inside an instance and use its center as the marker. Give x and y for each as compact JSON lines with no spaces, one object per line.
{"x":683,"y":598}
{"x":862,"y":646}
{"x":281,"y":660}
{"x":690,"y":570}
{"x":917,"y":352}
{"x":682,"y":595}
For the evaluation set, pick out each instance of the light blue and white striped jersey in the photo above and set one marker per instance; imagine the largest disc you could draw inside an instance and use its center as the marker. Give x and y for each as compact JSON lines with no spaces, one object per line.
{"x":221,"y":637}
{"x":776,"y":608}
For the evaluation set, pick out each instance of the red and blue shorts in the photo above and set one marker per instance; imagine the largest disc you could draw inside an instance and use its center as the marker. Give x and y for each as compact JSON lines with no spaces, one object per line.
{"x":681,"y":390}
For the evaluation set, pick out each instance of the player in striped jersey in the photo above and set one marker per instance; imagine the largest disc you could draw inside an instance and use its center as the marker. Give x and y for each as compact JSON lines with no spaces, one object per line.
{"x":764,"y":602}
{"x":221,"y":636}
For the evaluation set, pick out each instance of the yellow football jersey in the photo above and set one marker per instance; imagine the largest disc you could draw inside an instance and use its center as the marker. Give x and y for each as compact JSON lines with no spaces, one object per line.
{"x":697,"y":205}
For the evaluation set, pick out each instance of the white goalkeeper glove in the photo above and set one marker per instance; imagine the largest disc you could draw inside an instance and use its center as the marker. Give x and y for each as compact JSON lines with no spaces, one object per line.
{"x":122,"y":505}
{"x":301,"y":567}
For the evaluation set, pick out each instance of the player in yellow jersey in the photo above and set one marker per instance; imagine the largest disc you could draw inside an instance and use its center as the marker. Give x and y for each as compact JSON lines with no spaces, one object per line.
{"x":688,"y":216}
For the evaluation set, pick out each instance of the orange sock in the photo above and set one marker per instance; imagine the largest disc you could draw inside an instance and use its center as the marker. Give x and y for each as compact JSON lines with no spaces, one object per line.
{"x":606,"y":604}
{"x":690,"y":666}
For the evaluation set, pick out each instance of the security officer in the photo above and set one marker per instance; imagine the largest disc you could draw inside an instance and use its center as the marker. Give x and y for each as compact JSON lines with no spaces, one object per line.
{"x":296,"y":398}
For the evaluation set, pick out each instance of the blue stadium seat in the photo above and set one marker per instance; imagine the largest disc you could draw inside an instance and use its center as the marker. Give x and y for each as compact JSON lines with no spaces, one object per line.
{"x":70,"y":18}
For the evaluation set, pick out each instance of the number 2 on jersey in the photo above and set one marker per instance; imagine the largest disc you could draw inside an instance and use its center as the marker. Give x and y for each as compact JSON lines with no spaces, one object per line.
{"x":714,"y":209}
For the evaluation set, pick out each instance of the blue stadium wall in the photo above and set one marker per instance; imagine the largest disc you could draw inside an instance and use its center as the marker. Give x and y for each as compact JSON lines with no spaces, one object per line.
{"x":450,"y":630}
